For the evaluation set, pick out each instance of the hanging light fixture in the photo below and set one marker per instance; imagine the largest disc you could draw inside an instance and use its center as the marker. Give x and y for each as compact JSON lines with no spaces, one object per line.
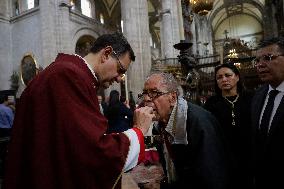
{"x":201,"y":7}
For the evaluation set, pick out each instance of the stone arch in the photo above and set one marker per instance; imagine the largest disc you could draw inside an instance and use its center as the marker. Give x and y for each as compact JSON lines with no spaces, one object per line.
{"x":84,"y":45}
{"x":86,"y":33}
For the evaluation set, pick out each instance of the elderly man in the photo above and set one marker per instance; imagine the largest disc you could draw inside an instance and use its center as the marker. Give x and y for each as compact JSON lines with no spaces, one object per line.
{"x":192,"y":151}
{"x":268,"y":115}
{"x":59,"y":136}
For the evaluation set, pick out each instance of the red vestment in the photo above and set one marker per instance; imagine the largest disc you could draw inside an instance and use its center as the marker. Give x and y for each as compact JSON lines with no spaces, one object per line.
{"x":58,"y":137}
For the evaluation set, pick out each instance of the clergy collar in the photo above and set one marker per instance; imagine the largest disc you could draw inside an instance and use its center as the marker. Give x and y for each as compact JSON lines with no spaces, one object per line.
{"x":88,"y":65}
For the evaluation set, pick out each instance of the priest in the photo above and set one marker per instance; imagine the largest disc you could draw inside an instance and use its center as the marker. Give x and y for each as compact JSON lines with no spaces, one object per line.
{"x":59,"y":135}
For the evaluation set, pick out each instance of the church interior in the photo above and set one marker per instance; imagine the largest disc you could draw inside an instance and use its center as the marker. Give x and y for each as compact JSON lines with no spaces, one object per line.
{"x":33,"y":32}
{"x":187,"y":38}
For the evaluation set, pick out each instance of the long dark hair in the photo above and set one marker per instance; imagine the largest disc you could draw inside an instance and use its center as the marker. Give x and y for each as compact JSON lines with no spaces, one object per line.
{"x":113,"y":106}
{"x":232,"y":67}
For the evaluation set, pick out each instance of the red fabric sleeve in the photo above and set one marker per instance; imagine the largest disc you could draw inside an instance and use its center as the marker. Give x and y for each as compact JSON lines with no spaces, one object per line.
{"x":142,"y":144}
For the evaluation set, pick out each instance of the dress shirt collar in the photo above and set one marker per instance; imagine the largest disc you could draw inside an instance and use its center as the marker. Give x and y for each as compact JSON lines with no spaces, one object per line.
{"x":280,"y":87}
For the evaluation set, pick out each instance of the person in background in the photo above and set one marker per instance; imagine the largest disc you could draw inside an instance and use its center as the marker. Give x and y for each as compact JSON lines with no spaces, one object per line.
{"x":102,"y":104}
{"x":123,"y":100}
{"x":6,"y":116}
{"x":118,"y":113}
{"x":6,"y":123}
{"x":59,"y":137}
{"x":268,"y":115}
{"x":192,"y":149}
{"x":231,"y":106}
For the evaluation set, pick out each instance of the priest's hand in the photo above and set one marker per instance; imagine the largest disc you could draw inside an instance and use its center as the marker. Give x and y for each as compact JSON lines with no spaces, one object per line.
{"x":143,"y":118}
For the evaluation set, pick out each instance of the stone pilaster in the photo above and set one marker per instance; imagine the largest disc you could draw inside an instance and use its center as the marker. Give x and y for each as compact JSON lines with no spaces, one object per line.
{"x":48,"y":30}
{"x":6,"y":66}
{"x":4,"y":8}
{"x":269,"y":21}
{"x":63,"y":28}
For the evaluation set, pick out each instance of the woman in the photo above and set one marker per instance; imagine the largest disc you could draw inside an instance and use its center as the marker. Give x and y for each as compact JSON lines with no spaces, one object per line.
{"x":118,"y":114}
{"x":231,"y":106}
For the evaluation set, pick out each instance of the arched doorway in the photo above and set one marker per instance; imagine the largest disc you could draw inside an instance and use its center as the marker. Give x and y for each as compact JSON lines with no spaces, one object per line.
{"x":84,"y":45}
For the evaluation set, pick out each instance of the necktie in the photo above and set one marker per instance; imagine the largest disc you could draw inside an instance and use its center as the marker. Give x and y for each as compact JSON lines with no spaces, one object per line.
{"x":264,"y":125}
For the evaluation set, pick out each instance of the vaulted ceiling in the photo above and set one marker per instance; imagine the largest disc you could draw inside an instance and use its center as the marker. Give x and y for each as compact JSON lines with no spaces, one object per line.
{"x":226,"y":15}
{"x":224,"y":9}
{"x":237,"y":17}
{"x":111,"y":11}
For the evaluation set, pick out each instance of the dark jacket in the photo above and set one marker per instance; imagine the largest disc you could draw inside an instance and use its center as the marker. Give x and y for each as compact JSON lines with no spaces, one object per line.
{"x":269,"y":165}
{"x":203,"y":163}
{"x":238,"y":136}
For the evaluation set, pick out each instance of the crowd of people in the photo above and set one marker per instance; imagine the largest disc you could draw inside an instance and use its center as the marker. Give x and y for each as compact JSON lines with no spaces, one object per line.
{"x":66,"y":135}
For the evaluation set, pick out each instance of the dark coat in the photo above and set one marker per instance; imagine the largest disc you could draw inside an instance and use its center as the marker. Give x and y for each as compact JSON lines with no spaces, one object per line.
{"x":203,"y":163}
{"x":269,"y":165}
{"x":238,"y":136}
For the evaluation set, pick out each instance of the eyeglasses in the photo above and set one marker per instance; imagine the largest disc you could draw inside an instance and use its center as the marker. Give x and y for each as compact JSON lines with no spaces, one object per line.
{"x":265,"y":58}
{"x":120,"y":69}
{"x":152,"y":94}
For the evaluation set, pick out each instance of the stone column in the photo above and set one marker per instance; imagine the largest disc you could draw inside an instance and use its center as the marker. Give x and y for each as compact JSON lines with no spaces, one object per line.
{"x":134,"y":14}
{"x":194,"y":38}
{"x":170,"y":28}
{"x":203,"y":35}
{"x":6,"y":63}
{"x":269,"y":21}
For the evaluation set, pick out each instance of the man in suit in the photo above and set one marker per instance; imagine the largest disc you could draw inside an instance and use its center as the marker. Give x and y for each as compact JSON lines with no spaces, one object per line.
{"x":268,"y":116}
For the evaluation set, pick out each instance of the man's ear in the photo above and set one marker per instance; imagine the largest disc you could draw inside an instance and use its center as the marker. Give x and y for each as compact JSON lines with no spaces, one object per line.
{"x":106,"y":52}
{"x":173,"y":98}
{"x":238,"y":77}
